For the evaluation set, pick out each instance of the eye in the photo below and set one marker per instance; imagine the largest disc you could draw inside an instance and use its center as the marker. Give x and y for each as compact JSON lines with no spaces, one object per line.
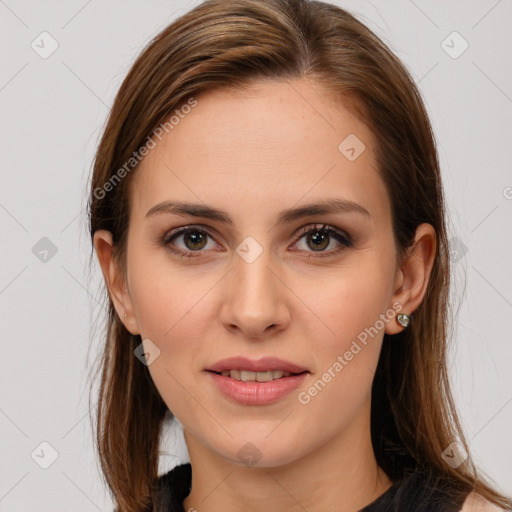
{"x":319,"y":238}
{"x":194,"y":239}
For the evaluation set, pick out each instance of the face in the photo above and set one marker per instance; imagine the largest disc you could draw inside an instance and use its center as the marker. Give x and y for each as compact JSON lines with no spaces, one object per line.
{"x":261,"y":278}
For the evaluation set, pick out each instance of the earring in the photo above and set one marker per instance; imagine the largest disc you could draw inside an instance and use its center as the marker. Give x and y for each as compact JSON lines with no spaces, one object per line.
{"x":403,"y":319}
{"x":125,"y":315}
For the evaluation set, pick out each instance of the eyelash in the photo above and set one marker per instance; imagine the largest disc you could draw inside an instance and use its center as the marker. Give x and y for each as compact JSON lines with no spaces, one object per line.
{"x":343,"y":239}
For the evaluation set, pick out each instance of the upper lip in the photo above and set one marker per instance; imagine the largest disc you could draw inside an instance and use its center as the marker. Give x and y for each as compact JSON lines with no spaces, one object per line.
{"x":261,"y":365}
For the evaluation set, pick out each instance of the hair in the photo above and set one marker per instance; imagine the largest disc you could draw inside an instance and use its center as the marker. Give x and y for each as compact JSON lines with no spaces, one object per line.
{"x":232,"y":44}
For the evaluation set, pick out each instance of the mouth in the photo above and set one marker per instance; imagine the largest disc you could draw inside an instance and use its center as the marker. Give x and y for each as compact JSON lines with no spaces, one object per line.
{"x":258,"y":386}
{"x":260,"y":370}
{"x":249,"y":376}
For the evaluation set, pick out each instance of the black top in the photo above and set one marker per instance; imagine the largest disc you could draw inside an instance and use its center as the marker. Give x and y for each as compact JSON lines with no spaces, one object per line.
{"x":422,"y":490}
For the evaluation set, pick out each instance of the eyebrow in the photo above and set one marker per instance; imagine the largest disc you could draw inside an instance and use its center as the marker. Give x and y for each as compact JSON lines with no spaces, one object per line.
{"x":286,"y":216}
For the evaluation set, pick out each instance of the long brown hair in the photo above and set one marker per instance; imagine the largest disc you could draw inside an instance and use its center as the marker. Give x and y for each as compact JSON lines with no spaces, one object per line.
{"x":229,"y":43}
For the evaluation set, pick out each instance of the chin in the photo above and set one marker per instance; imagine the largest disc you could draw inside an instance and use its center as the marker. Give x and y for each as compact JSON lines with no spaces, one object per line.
{"x":261,"y":453}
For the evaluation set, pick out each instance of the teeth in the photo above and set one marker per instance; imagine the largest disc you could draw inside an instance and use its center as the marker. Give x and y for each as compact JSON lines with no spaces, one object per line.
{"x":247,"y":376}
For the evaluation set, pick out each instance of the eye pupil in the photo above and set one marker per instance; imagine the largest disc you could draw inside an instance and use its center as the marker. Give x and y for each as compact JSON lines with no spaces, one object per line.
{"x":196,"y":237}
{"x":318,"y":238}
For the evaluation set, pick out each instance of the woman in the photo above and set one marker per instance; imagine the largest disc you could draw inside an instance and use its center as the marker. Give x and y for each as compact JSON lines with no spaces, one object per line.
{"x":267,"y":210}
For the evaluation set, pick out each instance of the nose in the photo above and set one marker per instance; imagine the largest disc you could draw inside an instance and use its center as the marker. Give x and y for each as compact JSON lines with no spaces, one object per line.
{"x":255,"y":299}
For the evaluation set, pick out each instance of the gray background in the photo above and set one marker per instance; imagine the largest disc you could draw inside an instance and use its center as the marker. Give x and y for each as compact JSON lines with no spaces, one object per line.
{"x":52,"y":112}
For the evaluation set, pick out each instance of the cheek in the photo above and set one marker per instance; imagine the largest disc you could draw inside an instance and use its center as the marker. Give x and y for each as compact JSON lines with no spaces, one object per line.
{"x":348,"y":346}
{"x":165,"y":295}
{"x":174,"y":310}
{"x":349,"y":305}
{"x":171,"y":313}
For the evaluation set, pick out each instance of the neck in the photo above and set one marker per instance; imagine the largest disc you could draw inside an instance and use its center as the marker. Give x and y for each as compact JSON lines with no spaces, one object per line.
{"x":341,"y":475}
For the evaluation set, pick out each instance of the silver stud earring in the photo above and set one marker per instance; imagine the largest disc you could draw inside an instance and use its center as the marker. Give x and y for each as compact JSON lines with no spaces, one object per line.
{"x":403,"y":319}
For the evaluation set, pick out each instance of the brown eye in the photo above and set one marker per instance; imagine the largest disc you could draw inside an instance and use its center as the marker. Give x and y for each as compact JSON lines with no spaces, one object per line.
{"x":195,"y":240}
{"x":318,"y":239}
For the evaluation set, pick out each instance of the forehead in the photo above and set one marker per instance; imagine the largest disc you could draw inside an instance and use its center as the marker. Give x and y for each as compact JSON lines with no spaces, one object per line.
{"x":274,"y":143}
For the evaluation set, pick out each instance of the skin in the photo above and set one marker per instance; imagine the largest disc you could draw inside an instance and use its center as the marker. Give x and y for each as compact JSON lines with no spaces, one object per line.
{"x":254,"y":153}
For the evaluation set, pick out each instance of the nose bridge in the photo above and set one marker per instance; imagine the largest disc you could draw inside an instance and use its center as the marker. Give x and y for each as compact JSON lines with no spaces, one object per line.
{"x":253,"y":280}
{"x":255,"y":299}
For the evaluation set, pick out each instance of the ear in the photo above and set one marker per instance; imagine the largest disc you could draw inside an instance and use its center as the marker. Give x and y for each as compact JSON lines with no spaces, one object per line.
{"x":412,"y":277}
{"x":115,"y":281}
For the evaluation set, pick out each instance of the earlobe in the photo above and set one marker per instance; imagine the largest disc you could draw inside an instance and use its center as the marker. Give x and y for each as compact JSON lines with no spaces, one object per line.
{"x":415,"y":274}
{"x":114,"y":280}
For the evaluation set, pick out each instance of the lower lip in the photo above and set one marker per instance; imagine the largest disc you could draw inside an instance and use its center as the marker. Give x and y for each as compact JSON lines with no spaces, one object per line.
{"x":257,"y":393}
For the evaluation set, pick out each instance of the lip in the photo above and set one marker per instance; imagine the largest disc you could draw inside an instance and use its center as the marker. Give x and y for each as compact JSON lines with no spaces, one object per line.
{"x":256,"y":393}
{"x":261,"y":365}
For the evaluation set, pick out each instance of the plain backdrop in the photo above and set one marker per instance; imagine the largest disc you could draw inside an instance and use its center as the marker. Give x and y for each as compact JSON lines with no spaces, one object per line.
{"x":52,"y":110}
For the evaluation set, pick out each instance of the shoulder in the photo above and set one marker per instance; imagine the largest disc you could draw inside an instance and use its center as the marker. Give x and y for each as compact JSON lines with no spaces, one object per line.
{"x":477,"y":503}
